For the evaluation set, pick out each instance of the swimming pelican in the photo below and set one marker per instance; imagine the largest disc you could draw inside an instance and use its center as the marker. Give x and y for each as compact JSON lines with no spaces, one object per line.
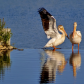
{"x":49,"y":25}
{"x":75,"y":37}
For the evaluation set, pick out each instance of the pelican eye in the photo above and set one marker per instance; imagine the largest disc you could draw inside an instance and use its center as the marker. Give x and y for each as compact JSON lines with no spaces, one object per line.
{"x":61,"y":28}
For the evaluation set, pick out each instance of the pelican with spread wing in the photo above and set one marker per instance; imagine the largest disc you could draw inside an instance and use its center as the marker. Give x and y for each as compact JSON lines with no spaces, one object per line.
{"x":75,"y":37}
{"x":49,"y":26}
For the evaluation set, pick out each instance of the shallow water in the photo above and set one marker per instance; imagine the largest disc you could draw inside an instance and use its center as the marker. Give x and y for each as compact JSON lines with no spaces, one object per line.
{"x":38,"y":66}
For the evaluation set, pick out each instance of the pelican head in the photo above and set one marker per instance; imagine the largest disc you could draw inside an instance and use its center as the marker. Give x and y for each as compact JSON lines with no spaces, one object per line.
{"x":75,"y":24}
{"x":61,"y":29}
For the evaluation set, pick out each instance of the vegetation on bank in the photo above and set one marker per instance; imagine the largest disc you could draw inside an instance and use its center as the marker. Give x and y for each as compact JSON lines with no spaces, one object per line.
{"x":5,"y":35}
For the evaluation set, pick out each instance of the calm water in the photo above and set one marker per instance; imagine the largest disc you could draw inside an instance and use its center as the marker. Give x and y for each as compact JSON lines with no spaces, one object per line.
{"x":34,"y":65}
{"x":25,"y":23}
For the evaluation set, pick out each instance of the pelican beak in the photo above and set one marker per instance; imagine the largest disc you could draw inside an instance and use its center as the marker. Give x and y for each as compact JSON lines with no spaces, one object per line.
{"x":66,"y":34}
{"x":74,"y":31}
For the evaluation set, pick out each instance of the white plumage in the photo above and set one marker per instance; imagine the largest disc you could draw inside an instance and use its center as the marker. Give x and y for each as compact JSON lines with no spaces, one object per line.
{"x":50,"y":28}
{"x":79,"y":33}
{"x":75,"y":37}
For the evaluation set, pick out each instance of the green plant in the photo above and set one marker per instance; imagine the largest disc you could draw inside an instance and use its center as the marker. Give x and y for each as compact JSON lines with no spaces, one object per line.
{"x":4,"y":35}
{"x":2,"y":24}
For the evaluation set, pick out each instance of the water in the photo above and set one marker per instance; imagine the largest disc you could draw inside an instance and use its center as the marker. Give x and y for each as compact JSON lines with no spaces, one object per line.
{"x":37,"y":66}
{"x":25,"y":23}
{"x":31,"y":65}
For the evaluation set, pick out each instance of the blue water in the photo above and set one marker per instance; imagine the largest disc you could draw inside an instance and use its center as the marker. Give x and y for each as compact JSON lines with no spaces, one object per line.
{"x":25,"y":23}
{"x":28,"y":66}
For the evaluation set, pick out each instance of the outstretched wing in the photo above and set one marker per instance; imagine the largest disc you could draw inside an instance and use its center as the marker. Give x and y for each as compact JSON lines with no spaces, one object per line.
{"x":48,"y":22}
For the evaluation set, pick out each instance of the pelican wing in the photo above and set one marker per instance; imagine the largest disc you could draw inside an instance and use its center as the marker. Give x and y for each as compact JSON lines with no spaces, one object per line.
{"x":79,"y":33}
{"x":49,"y":23}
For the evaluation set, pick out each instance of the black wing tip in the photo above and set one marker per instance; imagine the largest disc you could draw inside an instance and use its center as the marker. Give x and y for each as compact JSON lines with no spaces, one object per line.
{"x":42,"y":10}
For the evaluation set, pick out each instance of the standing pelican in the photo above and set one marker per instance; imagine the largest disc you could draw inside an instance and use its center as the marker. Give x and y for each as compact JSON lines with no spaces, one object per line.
{"x":75,"y":37}
{"x":49,"y":25}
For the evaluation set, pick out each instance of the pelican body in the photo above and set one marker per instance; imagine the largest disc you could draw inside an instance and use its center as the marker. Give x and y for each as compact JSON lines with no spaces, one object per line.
{"x":49,"y":26}
{"x":75,"y":37}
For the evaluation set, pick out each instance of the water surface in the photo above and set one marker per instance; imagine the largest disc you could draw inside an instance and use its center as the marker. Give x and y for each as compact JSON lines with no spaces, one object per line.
{"x":31,"y":65}
{"x":25,"y":22}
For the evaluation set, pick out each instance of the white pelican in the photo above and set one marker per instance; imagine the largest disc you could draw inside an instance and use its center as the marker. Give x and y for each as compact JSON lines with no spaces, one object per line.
{"x":75,"y":37}
{"x":49,"y":25}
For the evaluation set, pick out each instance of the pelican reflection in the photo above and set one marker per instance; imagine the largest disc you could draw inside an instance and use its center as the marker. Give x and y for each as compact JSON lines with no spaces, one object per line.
{"x":55,"y":61}
{"x":75,"y":61}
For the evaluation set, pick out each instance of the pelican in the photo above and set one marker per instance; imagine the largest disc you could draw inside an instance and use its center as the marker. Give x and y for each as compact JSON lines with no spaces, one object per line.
{"x":49,"y":26}
{"x":75,"y":37}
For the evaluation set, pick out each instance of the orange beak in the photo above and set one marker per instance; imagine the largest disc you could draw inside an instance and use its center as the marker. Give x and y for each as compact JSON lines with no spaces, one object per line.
{"x":74,"y":31}
{"x":66,"y":34}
